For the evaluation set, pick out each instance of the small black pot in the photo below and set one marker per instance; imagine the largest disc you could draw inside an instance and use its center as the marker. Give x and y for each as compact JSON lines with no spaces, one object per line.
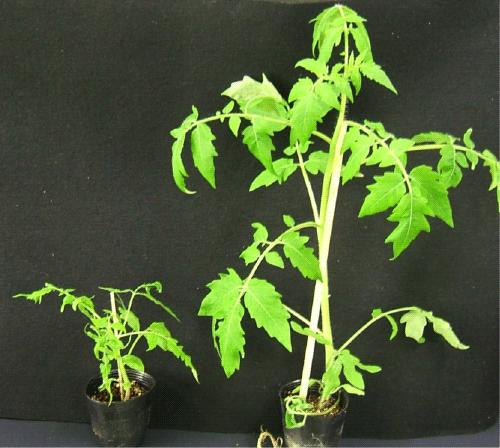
{"x":120,"y":423}
{"x":317,"y":430}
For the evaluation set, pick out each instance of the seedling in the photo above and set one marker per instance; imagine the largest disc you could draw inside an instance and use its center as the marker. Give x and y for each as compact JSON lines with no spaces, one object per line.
{"x":117,"y":331}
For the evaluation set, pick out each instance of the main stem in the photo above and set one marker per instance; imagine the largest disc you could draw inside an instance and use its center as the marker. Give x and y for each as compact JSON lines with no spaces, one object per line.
{"x":122,"y":372}
{"x":321,"y":303}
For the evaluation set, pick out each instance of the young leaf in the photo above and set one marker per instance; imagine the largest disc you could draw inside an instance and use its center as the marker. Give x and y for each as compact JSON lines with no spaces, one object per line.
{"x":415,"y":323}
{"x":429,"y":186}
{"x":301,"y":256}
{"x":374,"y":72}
{"x":443,"y":328}
{"x":386,"y":192}
{"x":204,"y":152}
{"x":223,"y":295}
{"x":265,"y":307}
{"x":410,"y":215}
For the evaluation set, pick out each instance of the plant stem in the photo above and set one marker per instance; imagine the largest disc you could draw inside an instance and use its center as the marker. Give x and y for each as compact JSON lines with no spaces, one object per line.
{"x":372,"y":321}
{"x":122,"y":373}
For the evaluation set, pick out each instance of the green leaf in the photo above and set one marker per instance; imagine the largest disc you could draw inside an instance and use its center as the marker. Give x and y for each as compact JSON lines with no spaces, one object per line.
{"x":260,"y":235}
{"x":308,"y":332}
{"x":274,"y":259}
{"x":394,"y":325}
{"x":443,"y":328}
{"x":265,"y":307}
{"x":283,"y":169}
{"x":223,"y":294}
{"x":319,"y":68}
{"x":449,"y":166}
{"x":386,"y":192}
{"x":429,"y":186}
{"x":231,"y":340}
{"x":410,"y":215}
{"x":328,"y":93}
{"x":317,"y":162}
{"x":250,"y":254}
{"x":204,"y":152}
{"x":349,"y":363}
{"x":234,"y":124}
{"x":178,"y":170}
{"x":307,"y":111}
{"x":415,"y":323}
{"x":269,"y":116}
{"x":494,"y":166}
{"x":359,"y":151}
{"x":161,"y":337}
{"x":331,"y":378}
{"x":301,"y":256}
{"x":374,"y":72}
{"x":260,"y":145}
{"x":288,"y":220}
{"x":133,"y":362}
{"x":248,"y":89}
{"x":362,"y":41}
{"x":130,"y":319}
{"x":369,"y":368}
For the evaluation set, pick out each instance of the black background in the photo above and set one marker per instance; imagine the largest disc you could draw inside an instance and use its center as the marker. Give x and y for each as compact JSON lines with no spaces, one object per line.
{"x":89,"y":92}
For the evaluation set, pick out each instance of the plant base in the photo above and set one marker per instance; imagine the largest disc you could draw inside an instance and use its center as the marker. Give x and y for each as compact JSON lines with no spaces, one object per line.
{"x":120,"y":423}
{"x":318,"y":430}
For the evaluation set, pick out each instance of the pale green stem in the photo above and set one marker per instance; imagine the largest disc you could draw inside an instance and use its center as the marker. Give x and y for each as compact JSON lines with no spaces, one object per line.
{"x":310,"y":191}
{"x":122,"y":373}
{"x":372,"y":321}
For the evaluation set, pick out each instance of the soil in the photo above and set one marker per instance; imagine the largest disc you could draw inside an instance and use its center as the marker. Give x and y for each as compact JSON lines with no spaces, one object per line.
{"x":136,"y":390}
{"x":318,"y":407}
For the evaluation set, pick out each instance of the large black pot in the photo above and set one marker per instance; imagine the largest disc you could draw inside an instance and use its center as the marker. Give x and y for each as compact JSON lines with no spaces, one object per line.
{"x":120,"y":423}
{"x":318,"y":430}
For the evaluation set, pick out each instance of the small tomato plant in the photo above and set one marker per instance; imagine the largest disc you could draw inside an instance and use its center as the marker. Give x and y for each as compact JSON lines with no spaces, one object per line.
{"x":342,"y":58}
{"x":117,"y":331}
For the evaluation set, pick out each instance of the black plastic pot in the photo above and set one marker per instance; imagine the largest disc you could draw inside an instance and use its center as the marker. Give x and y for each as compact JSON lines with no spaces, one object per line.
{"x":120,"y":423}
{"x":317,"y":430}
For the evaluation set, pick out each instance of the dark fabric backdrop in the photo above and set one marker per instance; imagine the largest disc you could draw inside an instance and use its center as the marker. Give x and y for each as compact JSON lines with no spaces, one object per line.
{"x":89,"y":92}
